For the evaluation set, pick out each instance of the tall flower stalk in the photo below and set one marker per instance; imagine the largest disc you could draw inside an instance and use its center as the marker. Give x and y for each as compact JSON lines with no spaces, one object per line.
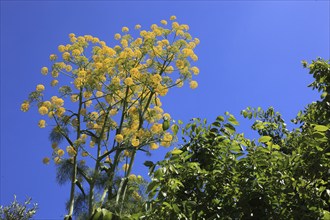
{"x":107,"y":104}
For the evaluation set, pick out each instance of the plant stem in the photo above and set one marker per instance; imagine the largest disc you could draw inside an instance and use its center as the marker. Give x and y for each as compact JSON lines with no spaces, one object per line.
{"x":74,"y":170}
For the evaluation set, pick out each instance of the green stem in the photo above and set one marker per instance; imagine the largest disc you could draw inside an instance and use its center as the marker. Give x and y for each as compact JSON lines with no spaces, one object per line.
{"x":74,"y":172}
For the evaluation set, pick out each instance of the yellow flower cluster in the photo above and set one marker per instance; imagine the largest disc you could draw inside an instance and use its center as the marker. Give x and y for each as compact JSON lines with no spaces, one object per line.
{"x":118,"y":88}
{"x":71,"y":151}
{"x":154,"y":146}
{"x":44,"y":70}
{"x":25,"y":106}
{"x":119,"y":138}
{"x":60,"y":152}
{"x":135,"y":142}
{"x":57,"y":101}
{"x":42,"y":124}
{"x":125,"y":167}
{"x":193,"y":84}
{"x":46,"y":160}
{"x":40,"y":88}
{"x":43,"y":110}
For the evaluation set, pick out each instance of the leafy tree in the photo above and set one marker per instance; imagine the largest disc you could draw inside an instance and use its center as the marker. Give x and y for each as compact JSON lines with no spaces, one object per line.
{"x":18,"y":211}
{"x":105,"y":106}
{"x":220,"y":174}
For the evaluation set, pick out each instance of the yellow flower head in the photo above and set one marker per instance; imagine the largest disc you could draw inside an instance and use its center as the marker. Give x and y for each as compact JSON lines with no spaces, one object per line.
{"x":60,"y":152}
{"x":84,"y":153}
{"x":195,"y":70}
{"x":180,"y":64}
{"x":54,"y":82}
{"x":154,"y":146}
{"x":47,"y":104}
{"x":54,"y":73}
{"x":124,"y":43}
{"x":40,"y":88}
{"x":163,"y":22}
{"x":132,"y":177}
{"x":53,"y":57}
{"x":167,"y":116}
{"x":83,"y":111}
{"x":71,"y":151}
{"x":119,"y":138}
{"x":128,"y":81}
{"x":167,"y":137}
{"x":113,"y":112}
{"x":99,"y":94}
{"x":175,"y":25}
{"x":57,"y":101}
{"x":42,"y":123}
{"x":61,"y":48}
{"x":74,"y":98}
{"x":194,"y":57}
{"x":66,"y":56}
{"x":115,"y":80}
{"x":87,"y":94}
{"x":156,"y":128}
{"x":54,"y":145}
{"x":125,"y":167}
{"x":94,"y":115}
{"x":127,"y":153}
{"x":169,"y":69}
{"x":88,"y":103}
{"x":193,"y":84}
{"x":76,"y":52}
{"x":197,"y":41}
{"x":135,"y":142}
{"x":44,"y":70}
{"x":137,"y":26}
{"x":173,"y":17}
{"x":125,"y":29}
{"x":25,"y":106}
{"x":68,"y":68}
{"x":117,"y":36}
{"x":57,"y":160}
{"x":46,"y":160}
{"x":134,"y":72}
{"x":60,"y":111}
{"x":43,"y":110}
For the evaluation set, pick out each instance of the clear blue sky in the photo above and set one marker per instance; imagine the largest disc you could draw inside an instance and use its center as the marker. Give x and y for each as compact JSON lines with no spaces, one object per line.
{"x":249,"y":55}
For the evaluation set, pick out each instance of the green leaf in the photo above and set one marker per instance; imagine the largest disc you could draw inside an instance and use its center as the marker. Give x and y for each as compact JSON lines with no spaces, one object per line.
{"x":326,"y":215}
{"x":276,"y":147}
{"x":220,"y":118}
{"x":176,"y":151}
{"x":166,"y":125}
{"x":175,"y":129}
{"x":152,"y":186}
{"x":233,"y":120}
{"x":264,"y":139}
{"x":106,"y":214}
{"x":244,"y":113}
{"x":180,"y":122}
{"x":324,"y":94}
{"x":231,"y":129}
{"x":235,"y":147}
{"x":320,"y":128}
{"x":176,"y":208}
{"x":148,"y":163}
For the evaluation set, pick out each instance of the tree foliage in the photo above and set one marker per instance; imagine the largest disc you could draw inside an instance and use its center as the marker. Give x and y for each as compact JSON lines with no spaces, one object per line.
{"x":220,"y":174}
{"x":18,"y":211}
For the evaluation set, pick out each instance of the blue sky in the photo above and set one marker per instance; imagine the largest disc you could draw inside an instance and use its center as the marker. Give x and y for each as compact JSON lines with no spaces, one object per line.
{"x":249,"y":55}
